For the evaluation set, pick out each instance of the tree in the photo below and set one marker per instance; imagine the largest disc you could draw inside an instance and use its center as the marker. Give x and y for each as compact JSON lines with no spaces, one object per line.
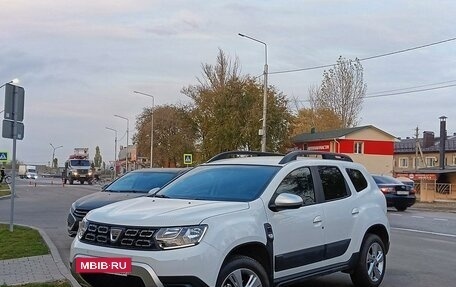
{"x":321,"y":120}
{"x":227,"y":110}
{"x":342,"y":91}
{"x":97,"y":160}
{"x":174,"y":134}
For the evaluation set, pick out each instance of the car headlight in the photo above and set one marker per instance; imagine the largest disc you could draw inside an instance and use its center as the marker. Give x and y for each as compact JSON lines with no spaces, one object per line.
{"x":178,"y":237}
{"x":75,"y":173}
{"x":90,"y":173}
{"x":82,"y":228}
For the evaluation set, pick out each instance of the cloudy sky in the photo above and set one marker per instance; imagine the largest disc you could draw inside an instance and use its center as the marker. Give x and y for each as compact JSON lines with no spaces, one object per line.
{"x":79,"y":61}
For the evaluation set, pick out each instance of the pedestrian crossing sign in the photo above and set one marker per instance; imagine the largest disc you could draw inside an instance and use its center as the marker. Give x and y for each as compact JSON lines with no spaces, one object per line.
{"x":3,"y":156}
{"x":188,"y":158}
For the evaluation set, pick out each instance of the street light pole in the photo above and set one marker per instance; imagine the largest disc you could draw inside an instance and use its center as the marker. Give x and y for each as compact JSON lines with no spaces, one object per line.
{"x":13,"y":81}
{"x":53,"y":154}
{"x":128,"y":125}
{"x":151,"y":127}
{"x":115,"y":151}
{"x":265,"y":90}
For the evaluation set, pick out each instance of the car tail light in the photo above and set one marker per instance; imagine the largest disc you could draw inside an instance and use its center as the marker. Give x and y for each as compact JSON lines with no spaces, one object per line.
{"x":387,"y":189}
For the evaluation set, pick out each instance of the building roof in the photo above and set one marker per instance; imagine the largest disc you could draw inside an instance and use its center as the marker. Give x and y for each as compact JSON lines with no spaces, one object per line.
{"x":408,"y":145}
{"x":333,"y":134}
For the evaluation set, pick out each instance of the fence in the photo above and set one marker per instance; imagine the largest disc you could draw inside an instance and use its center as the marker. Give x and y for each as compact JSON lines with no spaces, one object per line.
{"x":443,"y":191}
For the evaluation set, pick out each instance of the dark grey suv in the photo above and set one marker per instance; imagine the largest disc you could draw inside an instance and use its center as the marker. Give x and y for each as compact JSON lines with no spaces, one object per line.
{"x":133,"y":184}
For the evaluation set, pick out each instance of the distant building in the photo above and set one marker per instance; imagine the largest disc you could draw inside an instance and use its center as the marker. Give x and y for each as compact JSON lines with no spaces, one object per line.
{"x":368,"y":145}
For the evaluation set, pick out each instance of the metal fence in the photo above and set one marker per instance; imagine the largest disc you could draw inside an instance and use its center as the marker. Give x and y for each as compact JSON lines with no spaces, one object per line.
{"x":442,"y":190}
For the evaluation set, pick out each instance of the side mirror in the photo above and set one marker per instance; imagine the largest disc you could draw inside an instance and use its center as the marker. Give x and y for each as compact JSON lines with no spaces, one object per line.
{"x":153,"y":190}
{"x":286,"y":201}
{"x":66,"y":165}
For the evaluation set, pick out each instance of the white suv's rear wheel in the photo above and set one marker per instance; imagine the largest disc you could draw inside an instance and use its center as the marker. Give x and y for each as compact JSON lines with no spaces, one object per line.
{"x":242,"y":271}
{"x":370,"y":269}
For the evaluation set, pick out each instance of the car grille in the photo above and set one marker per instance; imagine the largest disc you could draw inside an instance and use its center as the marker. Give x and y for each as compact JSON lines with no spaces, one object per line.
{"x":83,"y":171}
{"x":80,"y":213}
{"x":125,"y":237}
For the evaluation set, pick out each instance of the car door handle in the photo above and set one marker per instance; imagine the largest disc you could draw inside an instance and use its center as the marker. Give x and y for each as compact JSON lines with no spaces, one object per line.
{"x":355,"y":211}
{"x":317,"y":220}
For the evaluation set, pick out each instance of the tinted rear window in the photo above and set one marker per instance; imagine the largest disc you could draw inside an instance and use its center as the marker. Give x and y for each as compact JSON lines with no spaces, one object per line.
{"x":357,"y":178}
{"x":333,"y":182}
{"x":386,"y":180}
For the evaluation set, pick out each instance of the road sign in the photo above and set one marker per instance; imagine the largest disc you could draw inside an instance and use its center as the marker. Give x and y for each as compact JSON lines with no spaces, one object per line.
{"x":3,"y":156}
{"x":12,"y":92}
{"x":7,"y":130}
{"x":188,"y":158}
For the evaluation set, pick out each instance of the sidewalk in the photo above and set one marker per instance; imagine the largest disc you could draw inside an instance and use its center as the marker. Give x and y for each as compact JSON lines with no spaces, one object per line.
{"x":36,"y":269}
{"x":437,"y":206}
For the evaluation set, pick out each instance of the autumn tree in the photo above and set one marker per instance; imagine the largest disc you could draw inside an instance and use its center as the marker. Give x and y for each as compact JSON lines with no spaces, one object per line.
{"x":227,"y":110}
{"x":97,"y":160}
{"x":173,"y":134}
{"x":321,"y":120}
{"x":342,"y":91}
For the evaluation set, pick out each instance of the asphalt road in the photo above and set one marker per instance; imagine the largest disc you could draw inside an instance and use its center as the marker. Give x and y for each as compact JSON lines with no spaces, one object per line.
{"x":423,"y":244}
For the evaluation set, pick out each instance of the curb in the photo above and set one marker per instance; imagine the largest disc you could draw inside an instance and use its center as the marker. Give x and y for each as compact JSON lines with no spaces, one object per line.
{"x":55,"y":255}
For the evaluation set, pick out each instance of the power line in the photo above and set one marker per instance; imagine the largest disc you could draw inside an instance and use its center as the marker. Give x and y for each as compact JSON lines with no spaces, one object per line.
{"x":414,"y":87}
{"x":409,"y":92}
{"x":406,"y":92}
{"x":367,"y":58}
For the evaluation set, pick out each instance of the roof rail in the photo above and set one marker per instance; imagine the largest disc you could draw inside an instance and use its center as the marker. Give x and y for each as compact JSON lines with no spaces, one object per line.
{"x":231,"y":154}
{"x":325,"y":155}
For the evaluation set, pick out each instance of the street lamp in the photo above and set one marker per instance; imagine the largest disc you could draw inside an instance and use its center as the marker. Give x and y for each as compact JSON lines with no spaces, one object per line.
{"x":115,"y":151}
{"x":13,"y":81}
{"x":53,"y":154}
{"x":265,"y":90}
{"x":151,"y":127}
{"x":128,"y":125}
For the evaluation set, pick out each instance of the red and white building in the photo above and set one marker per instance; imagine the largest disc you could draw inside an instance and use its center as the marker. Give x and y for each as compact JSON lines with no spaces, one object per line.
{"x":368,"y":145}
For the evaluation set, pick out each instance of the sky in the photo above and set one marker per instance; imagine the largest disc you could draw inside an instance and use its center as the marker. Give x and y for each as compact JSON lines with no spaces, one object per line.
{"x":80,"y":61}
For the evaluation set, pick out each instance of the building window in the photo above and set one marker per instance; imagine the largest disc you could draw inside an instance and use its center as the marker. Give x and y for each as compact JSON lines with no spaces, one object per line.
{"x":454,"y":160}
{"x":359,"y":148}
{"x":403,"y":162}
{"x":431,"y":161}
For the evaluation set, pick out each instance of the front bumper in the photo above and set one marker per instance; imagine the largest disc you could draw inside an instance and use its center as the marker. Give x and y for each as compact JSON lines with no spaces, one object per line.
{"x":196,"y":266}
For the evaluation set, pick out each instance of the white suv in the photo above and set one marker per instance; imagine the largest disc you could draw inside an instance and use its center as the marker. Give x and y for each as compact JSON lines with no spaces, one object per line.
{"x":261,"y":220}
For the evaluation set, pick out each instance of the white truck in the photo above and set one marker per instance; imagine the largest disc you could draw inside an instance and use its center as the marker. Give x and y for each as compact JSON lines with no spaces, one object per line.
{"x":78,"y":167}
{"x":27,"y":171}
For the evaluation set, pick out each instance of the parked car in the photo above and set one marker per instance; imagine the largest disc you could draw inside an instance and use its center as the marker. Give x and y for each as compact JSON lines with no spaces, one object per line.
{"x":398,"y":194}
{"x":133,"y":184}
{"x":247,"y":221}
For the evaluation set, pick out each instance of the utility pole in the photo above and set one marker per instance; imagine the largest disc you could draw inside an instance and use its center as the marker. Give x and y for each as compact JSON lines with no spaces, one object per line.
{"x":416,"y":148}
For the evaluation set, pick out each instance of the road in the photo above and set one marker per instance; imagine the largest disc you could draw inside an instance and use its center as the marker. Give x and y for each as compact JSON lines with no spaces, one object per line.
{"x":421,"y":255}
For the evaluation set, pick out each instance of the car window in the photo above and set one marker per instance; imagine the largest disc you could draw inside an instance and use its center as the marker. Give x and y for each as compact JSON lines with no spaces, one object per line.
{"x":141,"y":181}
{"x":299,"y":182}
{"x":385,"y":180}
{"x":221,"y":183}
{"x":333,"y":182}
{"x":357,"y":178}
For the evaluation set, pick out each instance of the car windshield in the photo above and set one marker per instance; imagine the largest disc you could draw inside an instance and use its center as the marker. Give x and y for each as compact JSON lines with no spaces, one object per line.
{"x":221,"y":183}
{"x":80,"y":162}
{"x":141,"y":182}
{"x":386,"y":180}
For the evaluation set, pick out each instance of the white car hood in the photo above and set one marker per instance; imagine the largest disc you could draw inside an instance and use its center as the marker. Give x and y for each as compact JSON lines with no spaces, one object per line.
{"x":156,"y":212}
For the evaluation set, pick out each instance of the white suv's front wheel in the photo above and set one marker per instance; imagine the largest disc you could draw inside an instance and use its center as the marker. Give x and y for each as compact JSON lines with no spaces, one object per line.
{"x":242,"y":271}
{"x":370,"y":269}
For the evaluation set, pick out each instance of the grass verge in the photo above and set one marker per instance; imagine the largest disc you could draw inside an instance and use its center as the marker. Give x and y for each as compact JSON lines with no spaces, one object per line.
{"x":22,"y":242}
{"x":49,"y":284}
{"x":4,"y":189}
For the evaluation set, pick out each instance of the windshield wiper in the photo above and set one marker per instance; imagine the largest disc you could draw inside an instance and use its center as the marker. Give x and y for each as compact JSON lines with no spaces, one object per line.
{"x":161,"y":196}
